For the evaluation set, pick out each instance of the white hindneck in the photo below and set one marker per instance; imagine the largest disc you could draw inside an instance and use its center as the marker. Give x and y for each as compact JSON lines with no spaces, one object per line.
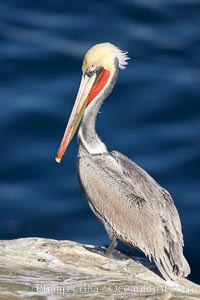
{"x":87,"y":133}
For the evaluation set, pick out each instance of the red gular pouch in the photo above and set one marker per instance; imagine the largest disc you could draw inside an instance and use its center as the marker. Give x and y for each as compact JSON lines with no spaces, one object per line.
{"x":98,"y":85}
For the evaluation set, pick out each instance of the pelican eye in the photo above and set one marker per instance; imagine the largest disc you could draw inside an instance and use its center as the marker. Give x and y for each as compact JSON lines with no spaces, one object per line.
{"x":92,"y":67}
{"x":91,"y":70}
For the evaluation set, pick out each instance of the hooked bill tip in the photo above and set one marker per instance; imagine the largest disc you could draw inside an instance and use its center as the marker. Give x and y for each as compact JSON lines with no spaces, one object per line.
{"x":57,"y":159}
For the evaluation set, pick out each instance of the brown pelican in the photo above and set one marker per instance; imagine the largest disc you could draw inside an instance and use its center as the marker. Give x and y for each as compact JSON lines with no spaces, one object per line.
{"x":129,"y":203}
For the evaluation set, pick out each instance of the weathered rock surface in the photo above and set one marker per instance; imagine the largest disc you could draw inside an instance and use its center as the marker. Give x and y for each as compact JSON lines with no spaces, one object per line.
{"x":36,"y":268}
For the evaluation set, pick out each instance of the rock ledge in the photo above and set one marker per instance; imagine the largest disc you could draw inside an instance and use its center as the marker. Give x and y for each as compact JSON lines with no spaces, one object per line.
{"x":36,"y":268}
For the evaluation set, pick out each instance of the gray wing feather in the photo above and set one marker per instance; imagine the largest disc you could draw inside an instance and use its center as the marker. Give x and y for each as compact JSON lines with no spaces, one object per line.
{"x":135,"y":209}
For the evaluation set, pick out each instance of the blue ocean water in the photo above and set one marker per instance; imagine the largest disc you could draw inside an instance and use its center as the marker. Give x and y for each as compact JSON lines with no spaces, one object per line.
{"x":152,"y":116}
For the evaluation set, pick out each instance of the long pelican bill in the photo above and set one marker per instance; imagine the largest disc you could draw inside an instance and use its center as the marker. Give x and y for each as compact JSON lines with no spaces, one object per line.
{"x":77,"y":113}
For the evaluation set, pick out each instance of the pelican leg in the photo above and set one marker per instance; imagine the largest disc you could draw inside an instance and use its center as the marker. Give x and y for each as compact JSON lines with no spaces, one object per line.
{"x":111,"y":248}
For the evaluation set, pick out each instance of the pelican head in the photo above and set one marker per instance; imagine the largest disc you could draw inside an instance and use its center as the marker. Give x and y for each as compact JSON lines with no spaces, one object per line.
{"x":100,"y":64}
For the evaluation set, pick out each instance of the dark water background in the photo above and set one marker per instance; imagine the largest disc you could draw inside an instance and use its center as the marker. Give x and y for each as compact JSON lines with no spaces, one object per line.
{"x":153,"y":115}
